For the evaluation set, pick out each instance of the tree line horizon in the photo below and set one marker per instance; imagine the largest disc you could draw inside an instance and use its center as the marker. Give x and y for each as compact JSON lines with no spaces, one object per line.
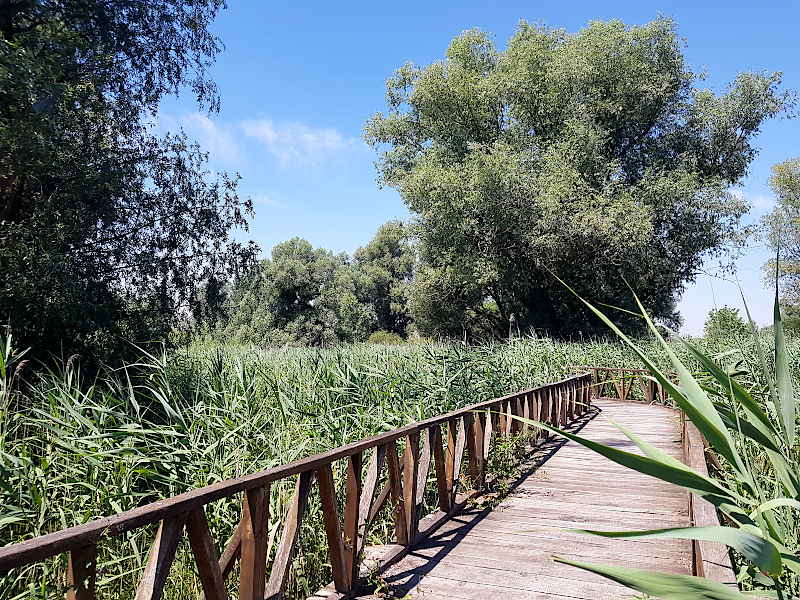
{"x":593,"y":158}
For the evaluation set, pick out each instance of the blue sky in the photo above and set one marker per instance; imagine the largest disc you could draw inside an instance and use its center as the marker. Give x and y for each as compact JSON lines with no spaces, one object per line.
{"x":298,"y":80}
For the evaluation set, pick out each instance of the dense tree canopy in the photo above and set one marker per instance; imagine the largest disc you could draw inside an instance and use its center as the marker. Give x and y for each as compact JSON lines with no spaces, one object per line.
{"x":384,"y":269}
{"x":782,"y":229}
{"x":106,"y":230}
{"x":590,"y":156}
{"x":311,"y":296}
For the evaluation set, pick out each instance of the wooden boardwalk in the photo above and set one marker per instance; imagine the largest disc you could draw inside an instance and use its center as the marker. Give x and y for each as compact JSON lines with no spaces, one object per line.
{"x":506,"y":551}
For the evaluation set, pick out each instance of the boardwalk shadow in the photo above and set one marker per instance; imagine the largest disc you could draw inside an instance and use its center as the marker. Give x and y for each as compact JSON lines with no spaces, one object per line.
{"x":403,"y":577}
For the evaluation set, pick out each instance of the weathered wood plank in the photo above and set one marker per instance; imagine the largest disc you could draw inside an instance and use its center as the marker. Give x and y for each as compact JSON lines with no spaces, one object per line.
{"x":410,"y":474}
{"x":472,"y":452}
{"x":461,"y":441}
{"x":82,"y":573}
{"x":253,"y":552}
{"x":161,"y":555}
{"x":333,"y":528}
{"x":441,"y":470}
{"x":396,"y":486}
{"x":507,"y":553}
{"x":368,"y":493}
{"x":479,"y":423}
{"x":424,"y":468}
{"x":450,"y":461}
{"x":205,"y":556}
{"x":291,"y":532}
{"x":712,"y":560}
{"x":351,"y":509}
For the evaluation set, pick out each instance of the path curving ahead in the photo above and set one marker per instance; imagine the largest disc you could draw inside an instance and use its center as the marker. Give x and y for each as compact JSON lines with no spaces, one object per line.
{"x":506,"y":552}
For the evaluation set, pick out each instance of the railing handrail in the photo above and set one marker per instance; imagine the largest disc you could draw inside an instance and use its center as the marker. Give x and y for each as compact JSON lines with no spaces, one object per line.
{"x":79,"y":536}
{"x":605,"y":378}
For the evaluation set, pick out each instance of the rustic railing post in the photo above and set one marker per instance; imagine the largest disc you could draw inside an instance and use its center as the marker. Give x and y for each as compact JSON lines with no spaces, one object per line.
{"x":160,"y":560}
{"x":544,"y":411}
{"x":450,"y":462}
{"x":516,"y":410}
{"x":396,"y":487}
{"x":82,"y":573}
{"x":472,"y":450}
{"x":351,"y":508}
{"x":333,"y":528}
{"x":205,"y":556}
{"x":368,"y":493}
{"x":424,"y":468}
{"x":253,"y":568}
{"x":440,"y":467}
{"x":291,"y":532}
{"x":410,"y":471}
{"x":526,"y":411}
{"x":480,"y":439}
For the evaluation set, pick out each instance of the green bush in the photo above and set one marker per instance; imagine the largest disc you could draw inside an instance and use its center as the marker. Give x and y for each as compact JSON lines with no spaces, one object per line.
{"x":723,"y":323}
{"x":385,"y":337}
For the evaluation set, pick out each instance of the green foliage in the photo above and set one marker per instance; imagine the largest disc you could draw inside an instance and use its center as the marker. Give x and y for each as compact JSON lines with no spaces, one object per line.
{"x":723,"y":323}
{"x":106,"y":231}
{"x":307,"y":296}
{"x":77,"y":448}
{"x":782,"y":229}
{"x":384,"y":270}
{"x":384,"y":337}
{"x":591,"y":156}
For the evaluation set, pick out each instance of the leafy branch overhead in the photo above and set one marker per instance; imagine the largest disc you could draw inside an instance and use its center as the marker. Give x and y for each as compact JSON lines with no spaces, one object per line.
{"x":106,"y":230}
{"x":592,"y":155}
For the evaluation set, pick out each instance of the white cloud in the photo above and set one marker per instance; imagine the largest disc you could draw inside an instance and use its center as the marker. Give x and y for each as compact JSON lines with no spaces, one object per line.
{"x":268,"y":198}
{"x":760,"y":203}
{"x":299,"y":144}
{"x":214,"y":137}
{"x":763,"y":203}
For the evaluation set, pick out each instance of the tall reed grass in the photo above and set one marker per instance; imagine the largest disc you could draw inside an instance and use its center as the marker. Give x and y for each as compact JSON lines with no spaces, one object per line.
{"x":75,"y":448}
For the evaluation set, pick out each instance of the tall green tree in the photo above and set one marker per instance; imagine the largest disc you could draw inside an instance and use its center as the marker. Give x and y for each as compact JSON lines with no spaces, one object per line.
{"x":592,"y":157}
{"x":782,"y":229}
{"x":385,"y":268}
{"x":294,"y":298}
{"x":106,"y":230}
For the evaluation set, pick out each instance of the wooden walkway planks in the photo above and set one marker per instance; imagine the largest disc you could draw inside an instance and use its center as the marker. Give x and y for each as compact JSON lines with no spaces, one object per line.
{"x":506,"y":552}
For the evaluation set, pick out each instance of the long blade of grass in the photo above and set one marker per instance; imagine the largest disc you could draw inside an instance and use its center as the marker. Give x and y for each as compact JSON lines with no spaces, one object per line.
{"x":692,"y":399}
{"x":674,"y":472}
{"x":783,"y":378}
{"x":669,"y":586}
{"x":758,"y":550}
{"x":747,"y":401}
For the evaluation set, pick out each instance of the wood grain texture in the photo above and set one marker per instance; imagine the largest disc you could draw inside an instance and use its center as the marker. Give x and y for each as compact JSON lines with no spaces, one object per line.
{"x":205,"y":556}
{"x":410,"y":473}
{"x":396,"y":487}
{"x":82,"y":573}
{"x":333,"y":528}
{"x":161,"y":555}
{"x":365,"y":511}
{"x":352,"y":504}
{"x":712,"y":560}
{"x":253,"y":545}
{"x":450,"y":461}
{"x":291,"y":532}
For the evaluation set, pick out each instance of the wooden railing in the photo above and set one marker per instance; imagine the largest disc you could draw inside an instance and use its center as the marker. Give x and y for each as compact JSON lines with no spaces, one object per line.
{"x":612,"y":382}
{"x":471,"y":429}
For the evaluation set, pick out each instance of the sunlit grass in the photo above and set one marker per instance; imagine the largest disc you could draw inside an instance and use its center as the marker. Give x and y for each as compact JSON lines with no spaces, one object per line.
{"x":76,"y":448}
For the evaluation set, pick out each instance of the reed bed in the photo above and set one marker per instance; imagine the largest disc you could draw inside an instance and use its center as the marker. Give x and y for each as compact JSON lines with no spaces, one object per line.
{"x":75,"y":448}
